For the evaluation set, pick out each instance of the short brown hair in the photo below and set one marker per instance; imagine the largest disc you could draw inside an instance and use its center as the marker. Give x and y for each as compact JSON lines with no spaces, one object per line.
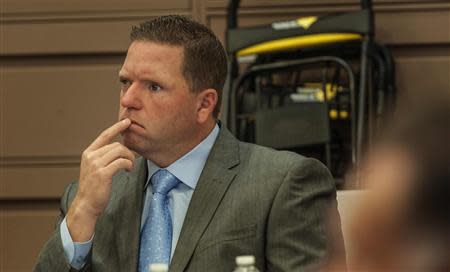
{"x":205,"y":62}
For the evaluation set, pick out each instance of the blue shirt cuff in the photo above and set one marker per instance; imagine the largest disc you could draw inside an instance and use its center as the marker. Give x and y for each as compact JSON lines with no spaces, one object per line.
{"x":76,"y":253}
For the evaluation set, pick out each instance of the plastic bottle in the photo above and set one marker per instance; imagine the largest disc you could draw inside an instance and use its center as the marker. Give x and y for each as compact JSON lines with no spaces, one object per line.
{"x":158,"y":267}
{"x":245,"y":264}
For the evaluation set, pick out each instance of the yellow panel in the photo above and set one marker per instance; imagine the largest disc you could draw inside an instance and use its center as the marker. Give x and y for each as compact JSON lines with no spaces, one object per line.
{"x":298,"y":42}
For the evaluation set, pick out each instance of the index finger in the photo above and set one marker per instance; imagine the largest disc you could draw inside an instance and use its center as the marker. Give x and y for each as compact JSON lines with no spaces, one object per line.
{"x":108,"y":134}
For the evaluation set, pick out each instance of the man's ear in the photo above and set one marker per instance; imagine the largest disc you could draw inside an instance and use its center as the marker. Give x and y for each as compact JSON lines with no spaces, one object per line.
{"x":207,"y":101}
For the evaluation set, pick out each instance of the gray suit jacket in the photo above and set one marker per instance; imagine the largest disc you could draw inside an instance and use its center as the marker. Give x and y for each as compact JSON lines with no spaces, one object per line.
{"x":250,"y":200}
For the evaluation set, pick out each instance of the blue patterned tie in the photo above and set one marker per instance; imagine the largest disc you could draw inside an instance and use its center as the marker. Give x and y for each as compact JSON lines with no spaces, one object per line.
{"x":156,"y":236}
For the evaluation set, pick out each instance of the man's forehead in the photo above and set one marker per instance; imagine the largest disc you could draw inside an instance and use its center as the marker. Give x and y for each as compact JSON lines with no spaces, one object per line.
{"x":147,"y":45}
{"x":148,"y":50}
{"x":147,"y":55}
{"x":159,"y":68}
{"x":139,"y":71}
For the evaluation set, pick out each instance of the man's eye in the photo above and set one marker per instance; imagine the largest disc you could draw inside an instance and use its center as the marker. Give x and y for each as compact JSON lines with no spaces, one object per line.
{"x":154,"y":87}
{"x":125,"y":83}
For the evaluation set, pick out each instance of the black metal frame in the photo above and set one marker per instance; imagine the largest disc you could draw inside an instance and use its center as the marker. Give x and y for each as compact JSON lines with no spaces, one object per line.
{"x":290,"y":64}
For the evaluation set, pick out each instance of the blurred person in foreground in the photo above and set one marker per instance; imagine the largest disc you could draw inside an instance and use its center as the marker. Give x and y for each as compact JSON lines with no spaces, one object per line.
{"x":197,"y":197}
{"x":402,"y":222}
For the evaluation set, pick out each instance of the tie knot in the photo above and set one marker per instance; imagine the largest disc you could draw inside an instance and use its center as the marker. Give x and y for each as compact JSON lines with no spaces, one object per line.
{"x":163,"y":181}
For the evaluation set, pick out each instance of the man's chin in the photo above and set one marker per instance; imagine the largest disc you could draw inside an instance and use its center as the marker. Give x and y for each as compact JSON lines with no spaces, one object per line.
{"x":131,"y":143}
{"x":138,"y":144}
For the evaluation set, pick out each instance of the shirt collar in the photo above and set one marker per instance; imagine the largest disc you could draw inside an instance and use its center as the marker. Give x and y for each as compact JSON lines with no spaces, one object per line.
{"x":189,"y":167}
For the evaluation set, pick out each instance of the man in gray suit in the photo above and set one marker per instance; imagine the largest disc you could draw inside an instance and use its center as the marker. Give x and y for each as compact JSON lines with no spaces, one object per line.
{"x":228,"y":198}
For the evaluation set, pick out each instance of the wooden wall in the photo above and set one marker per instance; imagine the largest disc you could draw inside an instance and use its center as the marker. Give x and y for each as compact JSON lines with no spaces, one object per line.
{"x":58,"y":85}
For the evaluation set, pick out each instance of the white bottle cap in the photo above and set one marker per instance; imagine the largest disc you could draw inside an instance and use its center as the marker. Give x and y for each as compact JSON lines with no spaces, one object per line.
{"x":245,"y":260}
{"x":158,"y":267}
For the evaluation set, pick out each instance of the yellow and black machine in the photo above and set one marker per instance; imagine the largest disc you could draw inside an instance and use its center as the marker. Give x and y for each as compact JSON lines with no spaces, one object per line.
{"x":317,"y":85}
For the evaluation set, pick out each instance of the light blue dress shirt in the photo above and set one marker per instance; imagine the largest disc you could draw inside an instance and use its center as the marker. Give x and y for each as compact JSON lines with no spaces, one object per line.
{"x":187,"y":169}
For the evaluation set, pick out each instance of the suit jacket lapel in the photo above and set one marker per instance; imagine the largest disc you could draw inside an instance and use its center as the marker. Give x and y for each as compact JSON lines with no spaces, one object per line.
{"x":218,"y":173}
{"x":129,"y":211}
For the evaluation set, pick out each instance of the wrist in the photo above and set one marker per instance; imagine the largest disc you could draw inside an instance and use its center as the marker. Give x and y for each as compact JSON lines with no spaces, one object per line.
{"x":80,"y":222}
{"x":83,"y":208}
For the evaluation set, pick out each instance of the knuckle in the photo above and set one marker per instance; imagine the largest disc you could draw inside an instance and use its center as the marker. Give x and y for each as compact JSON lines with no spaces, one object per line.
{"x":130,"y":164}
{"x":121,"y":161}
{"x":129,"y":153}
{"x":123,"y":149}
{"x":132,"y":158}
{"x":87,"y":156}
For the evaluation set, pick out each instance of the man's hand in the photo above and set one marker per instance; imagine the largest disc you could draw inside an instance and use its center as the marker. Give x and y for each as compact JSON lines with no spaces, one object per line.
{"x":99,"y":162}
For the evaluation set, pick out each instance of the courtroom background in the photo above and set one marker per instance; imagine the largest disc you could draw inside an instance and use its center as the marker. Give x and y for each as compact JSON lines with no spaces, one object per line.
{"x":59,"y":88}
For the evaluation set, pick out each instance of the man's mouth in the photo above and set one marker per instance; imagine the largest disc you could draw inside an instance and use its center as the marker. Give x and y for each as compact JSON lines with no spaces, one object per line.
{"x":133,"y":122}
{"x":136,"y":123}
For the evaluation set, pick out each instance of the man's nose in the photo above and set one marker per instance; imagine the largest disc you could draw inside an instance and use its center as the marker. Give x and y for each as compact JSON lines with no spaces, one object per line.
{"x":130,"y":98}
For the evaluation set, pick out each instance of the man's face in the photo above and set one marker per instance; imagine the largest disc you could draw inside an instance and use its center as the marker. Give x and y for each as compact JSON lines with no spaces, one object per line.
{"x":156,"y":97}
